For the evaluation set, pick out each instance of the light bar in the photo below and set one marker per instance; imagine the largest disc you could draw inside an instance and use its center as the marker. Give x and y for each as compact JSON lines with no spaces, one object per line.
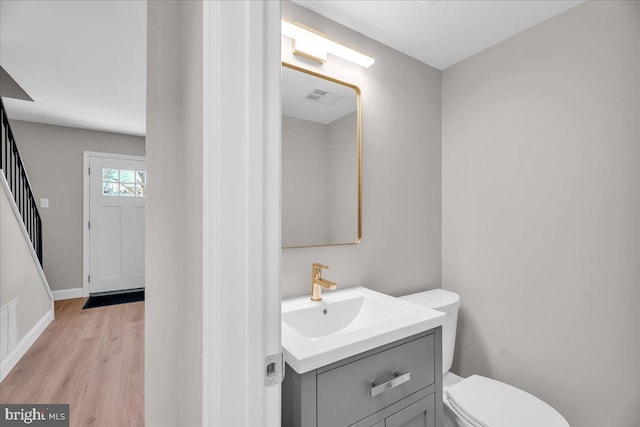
{"x":314,"y":46}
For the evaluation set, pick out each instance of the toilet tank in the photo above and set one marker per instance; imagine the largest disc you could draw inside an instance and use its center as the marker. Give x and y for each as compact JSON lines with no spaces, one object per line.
{"x":448,"y":302}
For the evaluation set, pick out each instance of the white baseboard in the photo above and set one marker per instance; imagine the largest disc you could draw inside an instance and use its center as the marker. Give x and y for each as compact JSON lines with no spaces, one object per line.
{"x":67,"y":294}
{"x":24,"y":344}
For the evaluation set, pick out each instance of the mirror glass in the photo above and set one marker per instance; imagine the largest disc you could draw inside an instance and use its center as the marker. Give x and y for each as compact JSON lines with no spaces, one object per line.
{"x":321,"y":160}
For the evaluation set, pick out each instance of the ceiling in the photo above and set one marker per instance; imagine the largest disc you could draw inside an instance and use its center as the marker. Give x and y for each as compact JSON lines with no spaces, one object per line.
{"x":439,"y":33}
{"x":82,"y":62}
{"x":296,"y":86}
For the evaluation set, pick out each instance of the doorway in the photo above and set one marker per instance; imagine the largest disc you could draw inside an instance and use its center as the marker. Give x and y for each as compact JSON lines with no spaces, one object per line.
{"x":114,"y":203}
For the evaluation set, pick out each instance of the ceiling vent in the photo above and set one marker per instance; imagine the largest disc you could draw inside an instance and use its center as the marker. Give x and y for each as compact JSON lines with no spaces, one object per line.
{"x":323,"y":97}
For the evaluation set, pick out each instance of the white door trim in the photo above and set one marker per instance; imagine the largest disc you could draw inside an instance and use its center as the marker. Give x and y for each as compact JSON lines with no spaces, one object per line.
{"x":241,"y":211}
{"x":86,"y":157}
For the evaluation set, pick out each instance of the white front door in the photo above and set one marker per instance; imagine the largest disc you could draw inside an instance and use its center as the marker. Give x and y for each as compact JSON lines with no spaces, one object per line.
{"x":117,"y":191}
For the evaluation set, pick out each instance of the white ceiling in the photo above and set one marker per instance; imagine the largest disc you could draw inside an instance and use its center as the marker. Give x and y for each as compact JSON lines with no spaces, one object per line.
{"x":296,"y":85}
{"x":439,"y":33}
{"x":83,"y":62}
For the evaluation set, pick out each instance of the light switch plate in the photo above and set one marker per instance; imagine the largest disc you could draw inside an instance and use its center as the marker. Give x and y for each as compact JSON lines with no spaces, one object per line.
{"x":44,"y":203}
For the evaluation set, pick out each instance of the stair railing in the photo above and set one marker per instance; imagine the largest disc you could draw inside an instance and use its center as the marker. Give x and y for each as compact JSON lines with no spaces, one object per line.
{"x":16,"y":176}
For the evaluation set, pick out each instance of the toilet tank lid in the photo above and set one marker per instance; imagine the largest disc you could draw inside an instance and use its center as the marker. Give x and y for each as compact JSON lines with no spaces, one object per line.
{"x":437,"y":299}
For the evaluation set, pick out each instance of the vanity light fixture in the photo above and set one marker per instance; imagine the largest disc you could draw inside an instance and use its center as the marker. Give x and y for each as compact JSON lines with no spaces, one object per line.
{"x":316,"y":47}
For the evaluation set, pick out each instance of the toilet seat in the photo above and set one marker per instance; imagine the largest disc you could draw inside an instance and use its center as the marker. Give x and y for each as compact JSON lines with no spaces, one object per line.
{"x":484,"y":402}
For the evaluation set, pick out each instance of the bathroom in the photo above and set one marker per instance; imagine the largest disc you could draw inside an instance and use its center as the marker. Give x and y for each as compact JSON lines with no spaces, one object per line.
{"x":511,"y":178}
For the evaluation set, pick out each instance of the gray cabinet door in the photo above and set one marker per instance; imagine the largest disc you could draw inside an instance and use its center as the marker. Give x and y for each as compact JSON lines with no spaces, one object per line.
{"x":419,"y":414}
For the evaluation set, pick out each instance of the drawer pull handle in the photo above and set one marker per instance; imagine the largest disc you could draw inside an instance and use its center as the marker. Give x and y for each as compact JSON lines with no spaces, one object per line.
{"x":398,"y":378}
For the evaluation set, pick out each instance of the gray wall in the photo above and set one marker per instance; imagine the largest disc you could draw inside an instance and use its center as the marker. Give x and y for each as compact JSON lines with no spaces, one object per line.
{"x":541,"y":211}
{"x":19,"y":276}
{"x":53,"y":158}
{"x":319,"y":181}
{"x":342,"y":178}
{"x":173,"y":306}
{"x":191,"y":332}
{"x":400,"y":248}
{"x":304,"y":182}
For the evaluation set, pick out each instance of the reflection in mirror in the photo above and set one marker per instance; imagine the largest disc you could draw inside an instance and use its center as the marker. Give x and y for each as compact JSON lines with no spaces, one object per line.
{"x":321,"y":160}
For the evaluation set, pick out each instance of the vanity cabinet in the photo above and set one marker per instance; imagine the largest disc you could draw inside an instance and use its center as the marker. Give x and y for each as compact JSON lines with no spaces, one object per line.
{"x":398,"y":384}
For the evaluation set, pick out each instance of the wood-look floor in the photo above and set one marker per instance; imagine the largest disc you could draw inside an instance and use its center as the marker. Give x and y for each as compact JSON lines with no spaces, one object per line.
{"x":91,"y":359}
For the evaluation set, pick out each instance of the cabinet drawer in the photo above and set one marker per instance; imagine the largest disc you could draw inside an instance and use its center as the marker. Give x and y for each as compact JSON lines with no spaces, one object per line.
{"x":344,"y":394}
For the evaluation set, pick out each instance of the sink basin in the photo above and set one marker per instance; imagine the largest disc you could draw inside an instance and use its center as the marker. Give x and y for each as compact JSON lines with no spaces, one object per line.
{"x":347,"y":322}
{"x":321,"y":320}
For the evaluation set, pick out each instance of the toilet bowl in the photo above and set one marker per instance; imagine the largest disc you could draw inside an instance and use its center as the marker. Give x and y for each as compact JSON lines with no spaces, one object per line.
{"x":478,"y":401}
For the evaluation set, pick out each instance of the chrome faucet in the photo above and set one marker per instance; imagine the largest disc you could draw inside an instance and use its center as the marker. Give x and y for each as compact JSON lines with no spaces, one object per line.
{"x":317,"y":282}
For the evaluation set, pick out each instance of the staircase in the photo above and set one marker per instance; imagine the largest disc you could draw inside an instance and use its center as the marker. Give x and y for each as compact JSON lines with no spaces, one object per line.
{"x":24,"y":290}
{"x":18,"y":182}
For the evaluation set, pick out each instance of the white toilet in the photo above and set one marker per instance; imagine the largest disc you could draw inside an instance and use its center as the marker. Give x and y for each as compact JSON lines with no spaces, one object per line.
{"x":478,"y":401}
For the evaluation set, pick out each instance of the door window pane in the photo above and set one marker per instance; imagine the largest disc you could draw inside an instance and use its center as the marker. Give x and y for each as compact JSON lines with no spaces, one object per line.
{"x":127,"y":176}
{"x":109,"y":189}
{"x":109,"y":175}
{"x":141,"y":190}
{"x":127,"y":190}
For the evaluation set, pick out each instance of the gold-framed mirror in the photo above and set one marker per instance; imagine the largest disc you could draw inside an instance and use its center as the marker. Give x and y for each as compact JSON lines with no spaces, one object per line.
{"x":321,"y":160}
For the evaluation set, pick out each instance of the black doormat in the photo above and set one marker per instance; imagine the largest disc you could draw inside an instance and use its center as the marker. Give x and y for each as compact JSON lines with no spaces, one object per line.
{"x":113,"y":299}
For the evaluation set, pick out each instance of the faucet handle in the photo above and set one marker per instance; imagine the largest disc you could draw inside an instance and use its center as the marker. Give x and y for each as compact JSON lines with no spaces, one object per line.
{"x":317,"y":266}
